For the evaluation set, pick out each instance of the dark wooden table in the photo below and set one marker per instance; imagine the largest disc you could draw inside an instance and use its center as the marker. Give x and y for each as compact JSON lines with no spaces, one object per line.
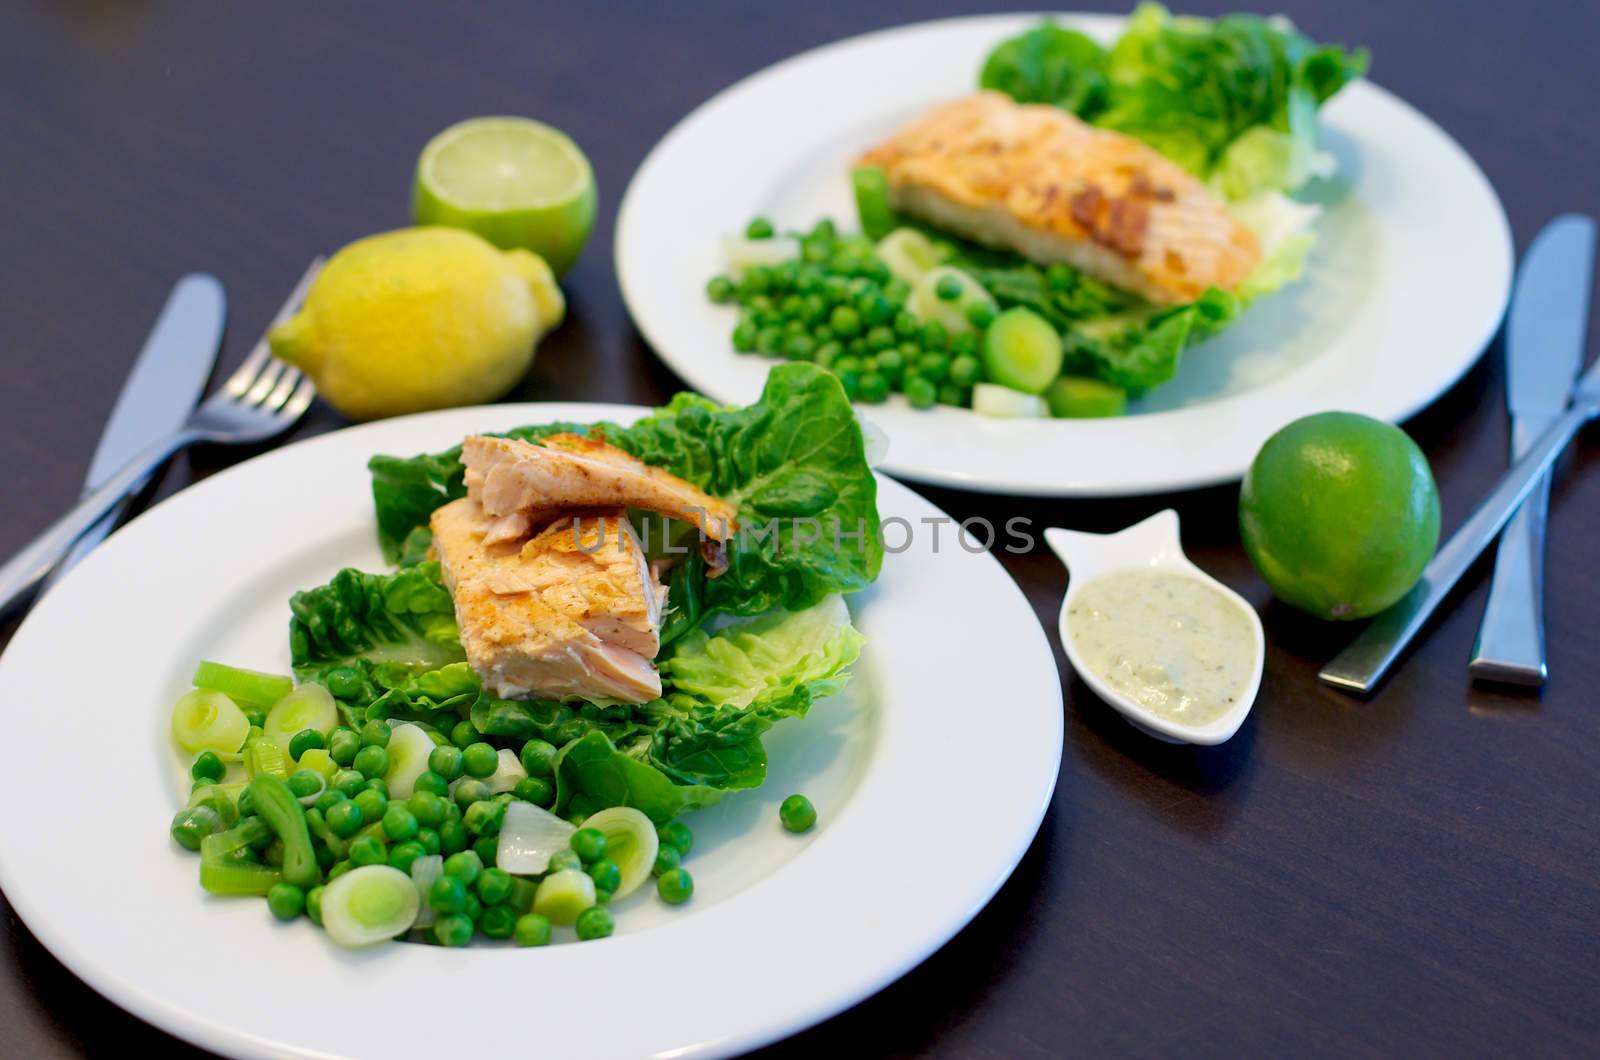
{"x":1416,"y":874}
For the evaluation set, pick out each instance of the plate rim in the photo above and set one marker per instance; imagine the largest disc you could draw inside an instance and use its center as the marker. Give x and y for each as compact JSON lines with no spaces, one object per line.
{"x":22,"y":889}
{"x":629,"y":270}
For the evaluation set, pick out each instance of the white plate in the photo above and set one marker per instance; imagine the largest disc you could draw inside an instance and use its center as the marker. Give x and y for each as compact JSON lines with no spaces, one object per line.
{"x":1404,"y":290}
{"x":917,"y":829}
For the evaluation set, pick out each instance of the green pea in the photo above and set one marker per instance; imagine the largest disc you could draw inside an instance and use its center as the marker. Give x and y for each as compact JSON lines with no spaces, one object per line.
{"x":469,"y":791}
{"x":965,"y":371}
{"x":948,"y":289}
{"x":338,"y":869}
{"x":399,"y":823}
{"x":286,"y":901}
{"x":448,"y":894}
{"x":531,"y":930}
{"x":965,"y":344}
{"x":257,"y":719}
{"x":494,"y":886}
{"x":401,"y":855}
{"x":343,"y":745}
{"x":676,"y":834}
{"x":934,"y":336}
{"x":447,"y":760}
{"x":675,"y":886}
{"x":429,"y":838}
{"x":453,"y":930}
{"x":368,"y":850}
{"x":1059,"y":277}
{"x":463,"y":734}
{"x":376,"y":733}
{"x":667,"y":859}
{"x":589,"y":844}
{"x":473,"y":908}
{"x":314,"y":905}
{"x":486,"y":847}
{"x":329,"y":799}
{"x":344,"y":682}
{"x":564,"y":859}
{"x":432,"y":783}
{"x":372,"y":761}
{"x":951,"y":394}
{"x":719,"y":289}
{"x":873,"y":388}
{"x":453,"y":837}
{"x":207,"y":767}
{"x":879,"y":338}
{"x":480,"y":759}
{"x":464,"y":866}
{"x":606,"y":875}
{"x":934,"y":367}
{"x":797,"y":813}
{"x":498,"y":922}
{"x":483,"y":818}
{"x":372,"y":805}
{"x":845,"y":321}
{"x":980,"y":315}
{"x":595,"y":922}
{"x":538,"y":758}
{"x":377,"y":784}
{"x":891,"y":363}
{"x":536,"y":790}
{"x":303,"y":741}
{"x":759,"y":228}
{"x":769,"y":341}
{"x":799,"y":347}
{"x":192,"y":825}
{"x":306,"y":782}
{"x":426,"y":808}
{"x":344,"y":819}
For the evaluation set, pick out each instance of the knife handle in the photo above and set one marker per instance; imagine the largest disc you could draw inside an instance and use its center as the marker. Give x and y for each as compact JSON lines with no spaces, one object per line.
{"x":24,"y":571}
{"x":1510,"y":646}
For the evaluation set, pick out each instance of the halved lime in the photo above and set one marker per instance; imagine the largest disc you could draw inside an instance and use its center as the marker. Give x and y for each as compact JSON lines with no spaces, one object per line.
{"x":514,"y":181}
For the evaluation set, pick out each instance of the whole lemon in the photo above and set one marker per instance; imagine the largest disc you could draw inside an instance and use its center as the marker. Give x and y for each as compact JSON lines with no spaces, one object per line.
{"x":418,"y":319}
{"x":1340,"y":514}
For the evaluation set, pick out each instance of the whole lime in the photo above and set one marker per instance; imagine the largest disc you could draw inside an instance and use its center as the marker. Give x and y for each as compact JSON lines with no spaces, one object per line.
{"x":1340,"y":514}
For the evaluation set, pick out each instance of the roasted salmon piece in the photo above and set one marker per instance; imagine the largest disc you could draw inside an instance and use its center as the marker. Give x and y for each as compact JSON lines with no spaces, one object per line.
{"x":1033,"y":179}
{"x":573,"y":610}
{"x":569,"y":471}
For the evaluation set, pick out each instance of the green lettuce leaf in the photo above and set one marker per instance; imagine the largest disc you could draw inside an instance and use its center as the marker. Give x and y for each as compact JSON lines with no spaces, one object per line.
{"x":769,"y":658}
{"x":406,"y":619}
{"x":793,"y":463}
{"x":1049,"y":64}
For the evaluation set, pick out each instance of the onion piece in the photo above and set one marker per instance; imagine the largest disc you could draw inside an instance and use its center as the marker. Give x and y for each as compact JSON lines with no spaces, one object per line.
{"x":529,"y":835}
{"x":424,"y":871}
{"x":409,"y":748}
{"x":507,"y":773}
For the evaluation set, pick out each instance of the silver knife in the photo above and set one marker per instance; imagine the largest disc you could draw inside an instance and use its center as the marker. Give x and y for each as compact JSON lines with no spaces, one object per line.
{"x":167,"y":379}
{"x":1544,"y":350}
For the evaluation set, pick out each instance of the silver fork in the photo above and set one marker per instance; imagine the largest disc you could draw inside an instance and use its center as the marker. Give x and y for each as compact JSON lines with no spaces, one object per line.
{"x":261,"y":400}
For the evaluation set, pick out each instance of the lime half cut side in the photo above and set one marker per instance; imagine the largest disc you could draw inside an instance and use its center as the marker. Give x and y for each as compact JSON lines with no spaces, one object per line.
{"x":514,"y":181}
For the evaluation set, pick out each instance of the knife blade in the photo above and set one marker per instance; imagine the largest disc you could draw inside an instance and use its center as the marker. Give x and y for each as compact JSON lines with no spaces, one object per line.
{"x":1544,"y":351}
{"x":167,"y":378}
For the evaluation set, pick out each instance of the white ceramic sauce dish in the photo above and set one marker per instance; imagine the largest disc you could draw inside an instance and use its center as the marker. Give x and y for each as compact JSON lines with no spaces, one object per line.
{"x":1152,"y":544}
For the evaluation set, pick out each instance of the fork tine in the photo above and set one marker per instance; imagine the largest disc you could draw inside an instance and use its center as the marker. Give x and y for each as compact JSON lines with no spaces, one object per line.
{"x":245,"y":375}
{"x":286,"y":383}
{"x":298,"y":402}
{"x":270,"y":373}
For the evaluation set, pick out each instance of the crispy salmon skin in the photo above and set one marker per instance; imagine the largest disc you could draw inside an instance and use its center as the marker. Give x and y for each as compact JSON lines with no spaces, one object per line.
{"x":1034,"y":179}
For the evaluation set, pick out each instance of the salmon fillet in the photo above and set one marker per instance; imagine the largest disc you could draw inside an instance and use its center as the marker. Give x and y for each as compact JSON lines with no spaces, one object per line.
{"x":1034,"y":179}
{"x":568,"y":471}
{"x":572,"y":611}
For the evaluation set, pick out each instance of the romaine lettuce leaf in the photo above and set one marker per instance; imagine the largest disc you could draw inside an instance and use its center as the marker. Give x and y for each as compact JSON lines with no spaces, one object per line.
{"x":406,"y":619}
{"x":793,"y":463}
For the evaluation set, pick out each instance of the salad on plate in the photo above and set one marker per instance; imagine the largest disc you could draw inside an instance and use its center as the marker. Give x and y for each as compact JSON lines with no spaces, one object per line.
{"x":1052,"y":244}
{"x":587,"y":630}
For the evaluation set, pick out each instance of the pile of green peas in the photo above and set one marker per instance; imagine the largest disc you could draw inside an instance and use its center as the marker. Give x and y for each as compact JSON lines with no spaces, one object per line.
{"x":839,"y":307}
{"x":452,"y":812}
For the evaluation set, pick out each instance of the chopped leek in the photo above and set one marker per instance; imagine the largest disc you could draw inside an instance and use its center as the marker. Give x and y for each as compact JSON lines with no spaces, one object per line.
{"x":954,"y":314}
{"x":563,"y":895}
{"x":909,"y":254}
{"x":368,"y":905}
{"x":266,"y":758}
{"x":320,"y":761}
{"x":308,"y":707}
{"x":249,"y":687}
{"x":204,"y":720}
{"x":990,"y":399}
{"x":631,"y":842}
{"x":424,"y":871}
